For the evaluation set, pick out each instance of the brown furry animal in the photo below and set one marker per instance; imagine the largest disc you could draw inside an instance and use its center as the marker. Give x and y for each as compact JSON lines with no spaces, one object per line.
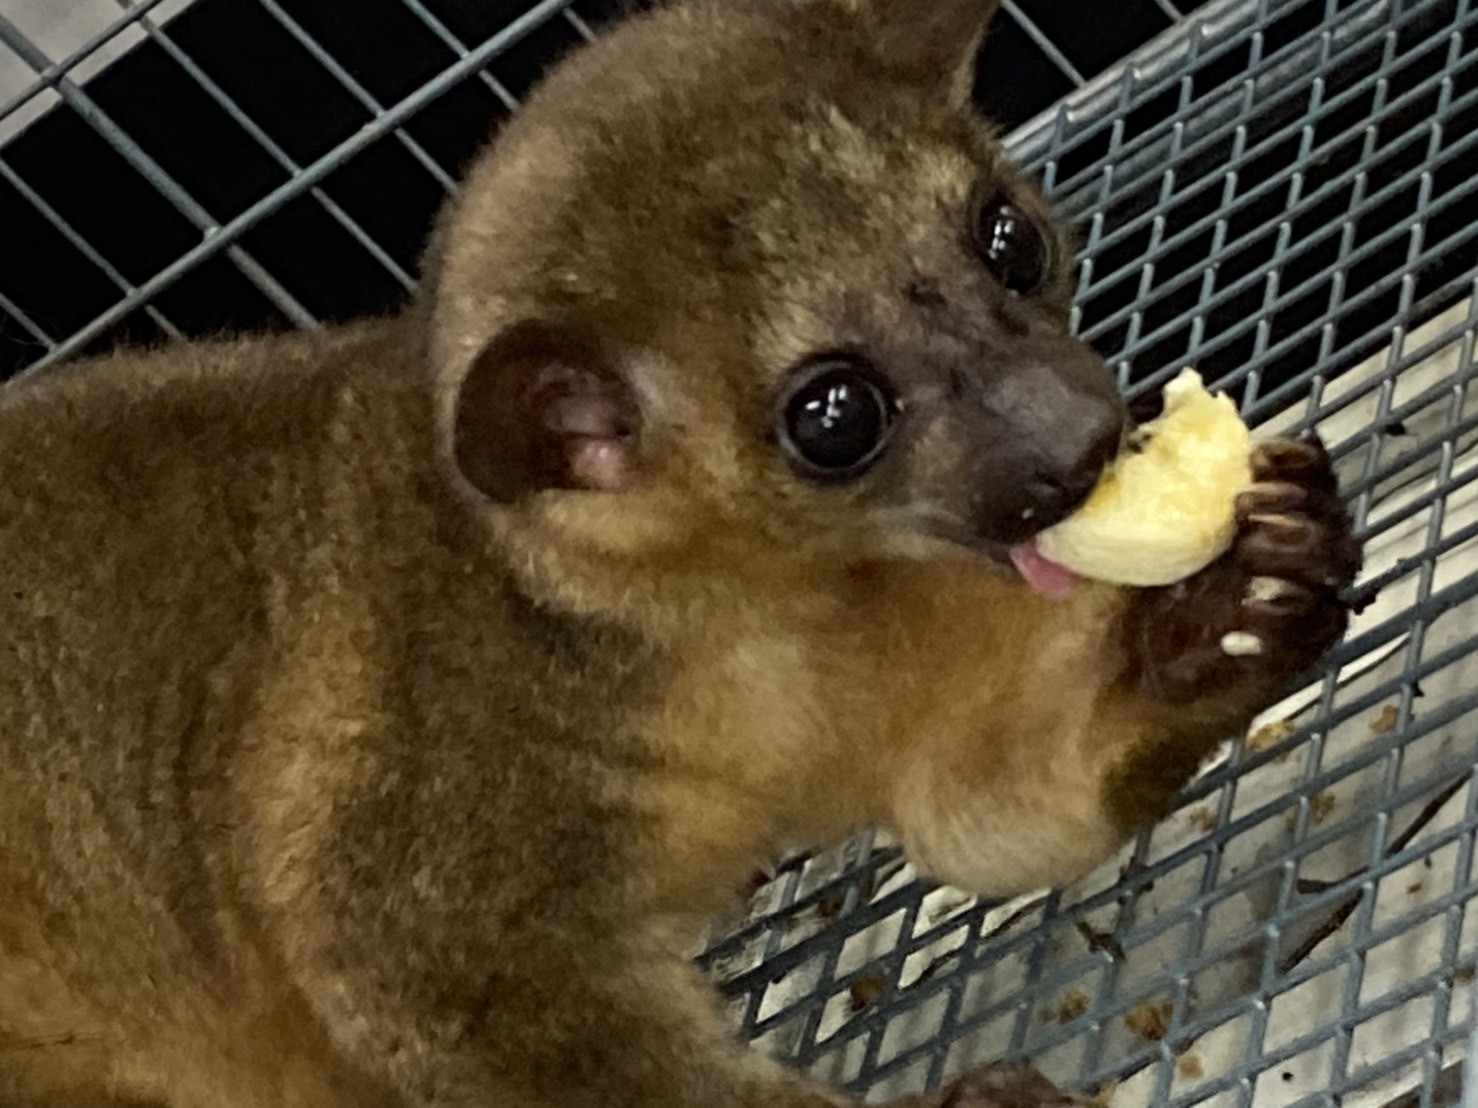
{"x":379,"y":710}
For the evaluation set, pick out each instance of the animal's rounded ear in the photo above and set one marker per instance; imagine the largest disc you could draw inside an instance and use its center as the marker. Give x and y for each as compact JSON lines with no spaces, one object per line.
{"x":935,"y":37}
{"x":543,"y":406}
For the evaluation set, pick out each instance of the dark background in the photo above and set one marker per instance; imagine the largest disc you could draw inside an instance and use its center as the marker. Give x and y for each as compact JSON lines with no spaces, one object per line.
{"x":306,"y":110}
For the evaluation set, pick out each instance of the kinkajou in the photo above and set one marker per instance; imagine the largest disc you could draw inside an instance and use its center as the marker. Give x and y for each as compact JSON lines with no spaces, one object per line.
{"x":376,"y":705}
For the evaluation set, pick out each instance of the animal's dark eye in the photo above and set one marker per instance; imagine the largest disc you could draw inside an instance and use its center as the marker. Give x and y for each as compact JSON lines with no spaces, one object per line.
{"x":1011,"y":244}
{"x":835,"y":418}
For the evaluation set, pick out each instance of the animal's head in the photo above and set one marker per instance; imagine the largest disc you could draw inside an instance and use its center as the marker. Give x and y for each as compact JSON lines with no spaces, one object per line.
{"x":748,"y":289}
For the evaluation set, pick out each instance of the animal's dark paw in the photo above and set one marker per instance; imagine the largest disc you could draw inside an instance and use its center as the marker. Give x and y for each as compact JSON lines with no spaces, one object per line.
{"x":1268,"y":608}
{"x":1007,"y":1085}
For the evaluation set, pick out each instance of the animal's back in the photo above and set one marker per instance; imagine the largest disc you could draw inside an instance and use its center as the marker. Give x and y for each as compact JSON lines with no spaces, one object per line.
{"x":134,"y":620}
{"x":132,"y":498}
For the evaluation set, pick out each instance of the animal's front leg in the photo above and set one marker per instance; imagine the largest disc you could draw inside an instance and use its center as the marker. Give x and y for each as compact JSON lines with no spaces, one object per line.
{"x":1204,"y":656}
{"x":644,"y":1034}
{"x":1000,"y":1085}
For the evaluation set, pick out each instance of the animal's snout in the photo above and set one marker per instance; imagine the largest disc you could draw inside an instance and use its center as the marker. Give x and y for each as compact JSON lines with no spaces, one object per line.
{"x":1057,"y":481}
{"x":1054,"y":429}
{"x":1053,"y":498}
{"x":1087,"y":437}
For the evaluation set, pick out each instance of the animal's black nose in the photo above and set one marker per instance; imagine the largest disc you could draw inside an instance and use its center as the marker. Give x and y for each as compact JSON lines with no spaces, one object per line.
{"x":1088,"y":434}
{"x":1045,"y":459}
{"x":1052,"y":419}
{"x":1053,"y":497}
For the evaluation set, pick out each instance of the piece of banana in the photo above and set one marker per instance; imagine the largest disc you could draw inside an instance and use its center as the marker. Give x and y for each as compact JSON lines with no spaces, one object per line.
{"x":1165,"y":507}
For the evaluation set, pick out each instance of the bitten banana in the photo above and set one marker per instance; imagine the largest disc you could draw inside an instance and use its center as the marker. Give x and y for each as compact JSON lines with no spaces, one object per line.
{"x":1165,"y":508}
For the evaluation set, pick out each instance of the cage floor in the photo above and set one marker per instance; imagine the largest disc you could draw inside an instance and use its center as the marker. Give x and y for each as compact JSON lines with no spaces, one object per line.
{"x":1283,"y":193}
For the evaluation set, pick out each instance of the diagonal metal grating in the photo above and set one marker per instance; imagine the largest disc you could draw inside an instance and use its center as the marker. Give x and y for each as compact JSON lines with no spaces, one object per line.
{"x":1281,"y":192}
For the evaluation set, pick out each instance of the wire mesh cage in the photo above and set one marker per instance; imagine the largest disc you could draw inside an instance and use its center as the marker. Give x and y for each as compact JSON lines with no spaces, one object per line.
{"x":1283,"y":193}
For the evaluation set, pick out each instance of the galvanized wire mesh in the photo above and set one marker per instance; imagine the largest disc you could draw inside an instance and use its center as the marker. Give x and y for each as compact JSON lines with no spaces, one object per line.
{"x":1278,"y":191}
{"x":370,"y":120}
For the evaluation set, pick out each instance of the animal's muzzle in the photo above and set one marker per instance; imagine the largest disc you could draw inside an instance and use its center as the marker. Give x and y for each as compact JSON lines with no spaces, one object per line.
{"x":1056,"y":424}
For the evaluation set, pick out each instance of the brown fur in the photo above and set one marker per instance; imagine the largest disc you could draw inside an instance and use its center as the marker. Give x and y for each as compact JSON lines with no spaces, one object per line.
{"x":364,"y":741}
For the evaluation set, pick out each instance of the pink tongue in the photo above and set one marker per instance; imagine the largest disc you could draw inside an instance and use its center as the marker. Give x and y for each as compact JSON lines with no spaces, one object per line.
{"x":1046,"y":577}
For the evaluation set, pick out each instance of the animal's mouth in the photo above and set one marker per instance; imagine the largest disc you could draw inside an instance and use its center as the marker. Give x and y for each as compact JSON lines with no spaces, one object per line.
{"x":1040,"y":573}
{"x":1019,"y":555}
